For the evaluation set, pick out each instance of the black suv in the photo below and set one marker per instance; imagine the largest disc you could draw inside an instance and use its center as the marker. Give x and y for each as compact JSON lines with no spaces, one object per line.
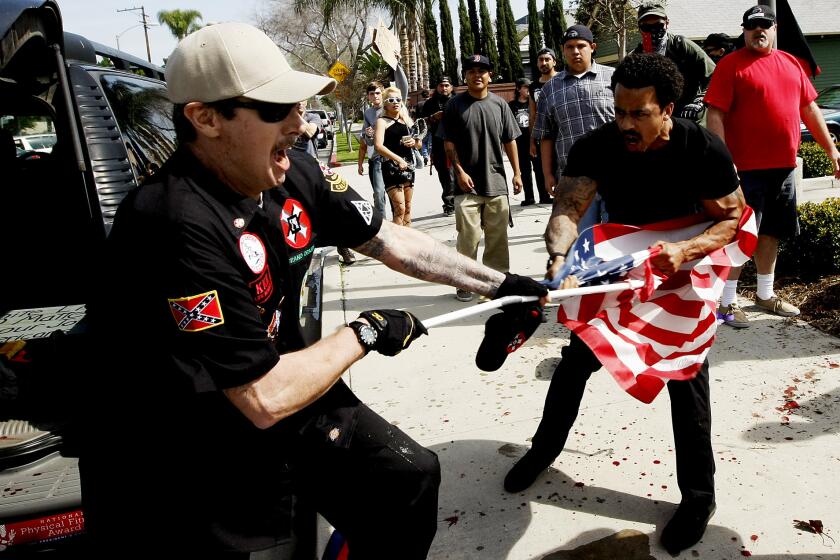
{"x":112,"y":121}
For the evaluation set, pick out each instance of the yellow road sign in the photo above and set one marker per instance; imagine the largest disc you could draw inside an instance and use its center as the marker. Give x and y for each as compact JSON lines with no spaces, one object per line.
{"x":338,"y":71}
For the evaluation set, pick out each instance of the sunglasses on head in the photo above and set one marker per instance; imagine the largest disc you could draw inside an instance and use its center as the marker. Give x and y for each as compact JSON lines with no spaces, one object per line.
{"x":651,"y":27}
{"x":268,"y":112}
{"x":762,"y":23}
{"x":393,"y":100}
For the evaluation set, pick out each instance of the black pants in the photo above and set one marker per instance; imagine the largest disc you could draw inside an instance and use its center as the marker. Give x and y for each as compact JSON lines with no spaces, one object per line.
{"x":544,"y":197}
{"x":445,"y":176}
{"x":691,"y":418}
{"x":523,"y":151}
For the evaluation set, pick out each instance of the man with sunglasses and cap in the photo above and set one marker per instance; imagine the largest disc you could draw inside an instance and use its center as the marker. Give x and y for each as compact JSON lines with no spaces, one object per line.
{"x":694,"y":64}
{"x":433,"y":113}
{"x":717,"y":45}
{"x":756,"y":99}
{"x":209,"y":409}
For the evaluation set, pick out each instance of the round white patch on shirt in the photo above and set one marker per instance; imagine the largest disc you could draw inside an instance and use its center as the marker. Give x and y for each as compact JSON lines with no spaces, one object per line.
{"x":253,"y":251}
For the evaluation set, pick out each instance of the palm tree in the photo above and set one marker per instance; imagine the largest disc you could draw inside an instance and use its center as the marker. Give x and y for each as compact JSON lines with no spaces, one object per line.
{"x":180,"y":22}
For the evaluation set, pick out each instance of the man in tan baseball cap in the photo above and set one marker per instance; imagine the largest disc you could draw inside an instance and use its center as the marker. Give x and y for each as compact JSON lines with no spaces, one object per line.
{"x":244,"y":407}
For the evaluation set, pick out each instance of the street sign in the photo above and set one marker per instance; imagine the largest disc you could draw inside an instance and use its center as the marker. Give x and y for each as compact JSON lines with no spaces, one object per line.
{"x":338,"y":71}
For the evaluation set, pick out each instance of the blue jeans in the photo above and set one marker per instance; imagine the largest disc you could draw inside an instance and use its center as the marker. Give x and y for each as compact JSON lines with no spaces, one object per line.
{"x":426,"y":146}
{"x":375,"y":173}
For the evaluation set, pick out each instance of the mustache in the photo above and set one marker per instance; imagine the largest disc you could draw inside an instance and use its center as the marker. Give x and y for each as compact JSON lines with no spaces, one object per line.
{"x":630,"y":135}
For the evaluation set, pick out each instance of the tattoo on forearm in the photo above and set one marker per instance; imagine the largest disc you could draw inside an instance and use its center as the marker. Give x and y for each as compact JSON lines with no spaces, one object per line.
{"x":375,"y":247}
{"x":451,"y":153}
{"x":572,"y":196}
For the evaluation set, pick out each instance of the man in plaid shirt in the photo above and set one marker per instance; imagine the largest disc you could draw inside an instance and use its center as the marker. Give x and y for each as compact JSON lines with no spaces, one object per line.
{"x":572,"y":103}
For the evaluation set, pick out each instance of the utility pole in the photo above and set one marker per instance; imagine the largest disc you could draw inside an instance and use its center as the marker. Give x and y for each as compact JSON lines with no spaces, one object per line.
{"x":145,"y":24}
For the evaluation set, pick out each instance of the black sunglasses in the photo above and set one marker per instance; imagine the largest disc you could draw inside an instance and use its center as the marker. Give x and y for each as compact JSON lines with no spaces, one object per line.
{"x":651,"y":27}
{"x":762,"y":23}
{"x":268,"y":112}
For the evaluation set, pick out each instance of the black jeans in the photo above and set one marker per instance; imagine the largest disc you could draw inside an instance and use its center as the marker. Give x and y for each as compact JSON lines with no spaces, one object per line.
{"x":445,"y":176}
{"x":544,"y":197}
{"x":691,"y":418}
{"x":523,"y":151}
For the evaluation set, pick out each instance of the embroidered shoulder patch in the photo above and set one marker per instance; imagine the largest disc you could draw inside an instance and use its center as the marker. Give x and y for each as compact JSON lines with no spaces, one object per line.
{"x":197,"y":313}
{"x":365,"y":209}
{"x":337,"y":182}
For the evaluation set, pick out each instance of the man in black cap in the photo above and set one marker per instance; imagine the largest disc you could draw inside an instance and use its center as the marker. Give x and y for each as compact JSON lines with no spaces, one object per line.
{"x":520,"y":108}
{"x":477,"y":124}
{"x":756,"y":99}
{"x":547,"y":65}
{"x":433,"y":112}
{"x":577,"y":100}
{"x":693,"y":63}
{"x":717,"y":45}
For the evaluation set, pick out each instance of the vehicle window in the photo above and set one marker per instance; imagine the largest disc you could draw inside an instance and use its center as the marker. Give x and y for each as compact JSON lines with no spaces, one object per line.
{"x":830,"y":98}
{"x":144,"y":115}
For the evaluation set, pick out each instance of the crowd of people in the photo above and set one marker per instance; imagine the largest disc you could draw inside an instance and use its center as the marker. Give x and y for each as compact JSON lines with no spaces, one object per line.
{"x":214,"y":248}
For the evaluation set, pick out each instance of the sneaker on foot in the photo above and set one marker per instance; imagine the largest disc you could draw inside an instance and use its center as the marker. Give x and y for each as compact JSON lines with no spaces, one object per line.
{"x":526,"y":202}
{"x":733,"y":316}
{"x":687,"y":526}
{"x":448,"y":211}
{"x":463,"y":295}
{"x":346,"y":256}
{"x":523,"y":474}
{"x":778,"y":306}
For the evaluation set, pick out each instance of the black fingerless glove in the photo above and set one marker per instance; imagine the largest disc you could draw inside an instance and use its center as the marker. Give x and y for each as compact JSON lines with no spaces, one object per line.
{"x":395,"y":329}
{"x":515,"y":285}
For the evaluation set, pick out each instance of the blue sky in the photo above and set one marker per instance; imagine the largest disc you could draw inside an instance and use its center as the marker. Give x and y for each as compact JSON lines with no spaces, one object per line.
{"x":99,"y":20}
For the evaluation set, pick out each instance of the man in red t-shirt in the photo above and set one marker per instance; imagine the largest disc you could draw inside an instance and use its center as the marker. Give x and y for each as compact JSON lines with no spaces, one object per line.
{"x":755,"y":100}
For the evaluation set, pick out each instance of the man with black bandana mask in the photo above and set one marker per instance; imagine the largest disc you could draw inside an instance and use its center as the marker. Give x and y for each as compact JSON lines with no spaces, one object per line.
{"x":693,"y":63}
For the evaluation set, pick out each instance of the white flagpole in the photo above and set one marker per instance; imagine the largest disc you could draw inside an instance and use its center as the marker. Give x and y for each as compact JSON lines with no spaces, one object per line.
{"x":508,"y":300}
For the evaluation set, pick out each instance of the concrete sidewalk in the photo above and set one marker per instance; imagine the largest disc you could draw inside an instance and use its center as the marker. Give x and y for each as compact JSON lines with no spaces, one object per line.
{"x":615,"y":483}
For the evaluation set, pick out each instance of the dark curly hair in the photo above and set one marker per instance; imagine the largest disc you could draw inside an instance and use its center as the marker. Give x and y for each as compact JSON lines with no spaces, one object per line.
{"x":640,"y":70}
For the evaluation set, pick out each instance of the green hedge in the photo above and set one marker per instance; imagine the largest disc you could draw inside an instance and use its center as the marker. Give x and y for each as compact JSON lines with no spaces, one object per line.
{"x":816,"y":250}
{"x":815,"y":162}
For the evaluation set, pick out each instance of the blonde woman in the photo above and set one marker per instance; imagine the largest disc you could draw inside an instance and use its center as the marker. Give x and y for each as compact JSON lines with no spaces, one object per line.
{"x":394,"y":143}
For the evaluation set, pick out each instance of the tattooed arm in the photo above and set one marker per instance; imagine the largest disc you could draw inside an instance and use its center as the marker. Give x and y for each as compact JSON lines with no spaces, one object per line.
{"x":418,"y":255}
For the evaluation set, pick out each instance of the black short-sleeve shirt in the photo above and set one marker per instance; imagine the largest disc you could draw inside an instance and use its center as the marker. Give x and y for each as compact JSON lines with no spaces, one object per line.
{"x":216,"y":278}
{"x":645,"y":187}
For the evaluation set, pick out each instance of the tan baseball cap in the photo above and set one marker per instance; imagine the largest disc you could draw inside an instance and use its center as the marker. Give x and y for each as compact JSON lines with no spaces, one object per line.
{"x":228,"y":60}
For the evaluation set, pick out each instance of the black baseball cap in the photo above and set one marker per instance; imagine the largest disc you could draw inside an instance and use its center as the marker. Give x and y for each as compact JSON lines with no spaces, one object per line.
{"x":506,"y":332}
{"x":759,"y":12}
{"x":477,"y":60}
{"x":578,"y":32}
{"x":444,"y":80}
{"x":546,"y":50}
{"x":522,"y":82}
{"x":717,"y":40}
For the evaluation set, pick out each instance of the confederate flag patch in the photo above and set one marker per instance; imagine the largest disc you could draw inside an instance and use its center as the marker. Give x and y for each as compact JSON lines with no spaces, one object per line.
{"x":196,"y":313}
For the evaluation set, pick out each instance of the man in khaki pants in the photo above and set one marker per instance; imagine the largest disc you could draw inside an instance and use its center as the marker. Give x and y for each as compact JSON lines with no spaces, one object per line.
{"x":476,"y":126}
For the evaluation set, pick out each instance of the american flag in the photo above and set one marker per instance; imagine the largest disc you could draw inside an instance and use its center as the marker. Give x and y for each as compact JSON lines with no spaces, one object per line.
{"x":664,"y":330}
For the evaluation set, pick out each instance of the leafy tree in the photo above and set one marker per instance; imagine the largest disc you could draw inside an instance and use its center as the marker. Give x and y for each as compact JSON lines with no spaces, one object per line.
{"x":614,"y":18}
{"x":180,"y":22}
{"x":487,"y":39}
{"x":504,"y":70}
{"x":476,"y":29}
{"x":432,"y":43}
{"x":535,"y":41}
{"x":513,"y":54}
{"x":450,"y":58}
{"x":467,"y":39}
{"x":548,"y":30}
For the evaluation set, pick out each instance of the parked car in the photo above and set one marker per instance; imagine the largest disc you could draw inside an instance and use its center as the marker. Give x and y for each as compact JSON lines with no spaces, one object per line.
{"x":112,"y":128}
{"x":36,"y":142}
{"x":828,"y":101}
{"x":325,"y":119}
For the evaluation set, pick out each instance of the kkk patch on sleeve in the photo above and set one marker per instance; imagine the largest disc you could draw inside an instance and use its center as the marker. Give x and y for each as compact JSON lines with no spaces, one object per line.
{"x":197,"y":313}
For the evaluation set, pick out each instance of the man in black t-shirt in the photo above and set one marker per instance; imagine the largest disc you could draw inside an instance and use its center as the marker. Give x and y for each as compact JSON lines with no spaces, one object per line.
{"x":433,"y":113}
{"x":648,"y":167}
{"x":520,"y":109}
{"x":547,"y":65}
{"x":209,"y":409}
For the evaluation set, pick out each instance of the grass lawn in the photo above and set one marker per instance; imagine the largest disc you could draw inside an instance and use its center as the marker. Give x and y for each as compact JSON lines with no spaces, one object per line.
{"x":343,"y":153}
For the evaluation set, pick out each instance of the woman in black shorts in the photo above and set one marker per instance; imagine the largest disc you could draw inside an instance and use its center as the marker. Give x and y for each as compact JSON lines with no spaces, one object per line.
{"x":394,"y":143}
